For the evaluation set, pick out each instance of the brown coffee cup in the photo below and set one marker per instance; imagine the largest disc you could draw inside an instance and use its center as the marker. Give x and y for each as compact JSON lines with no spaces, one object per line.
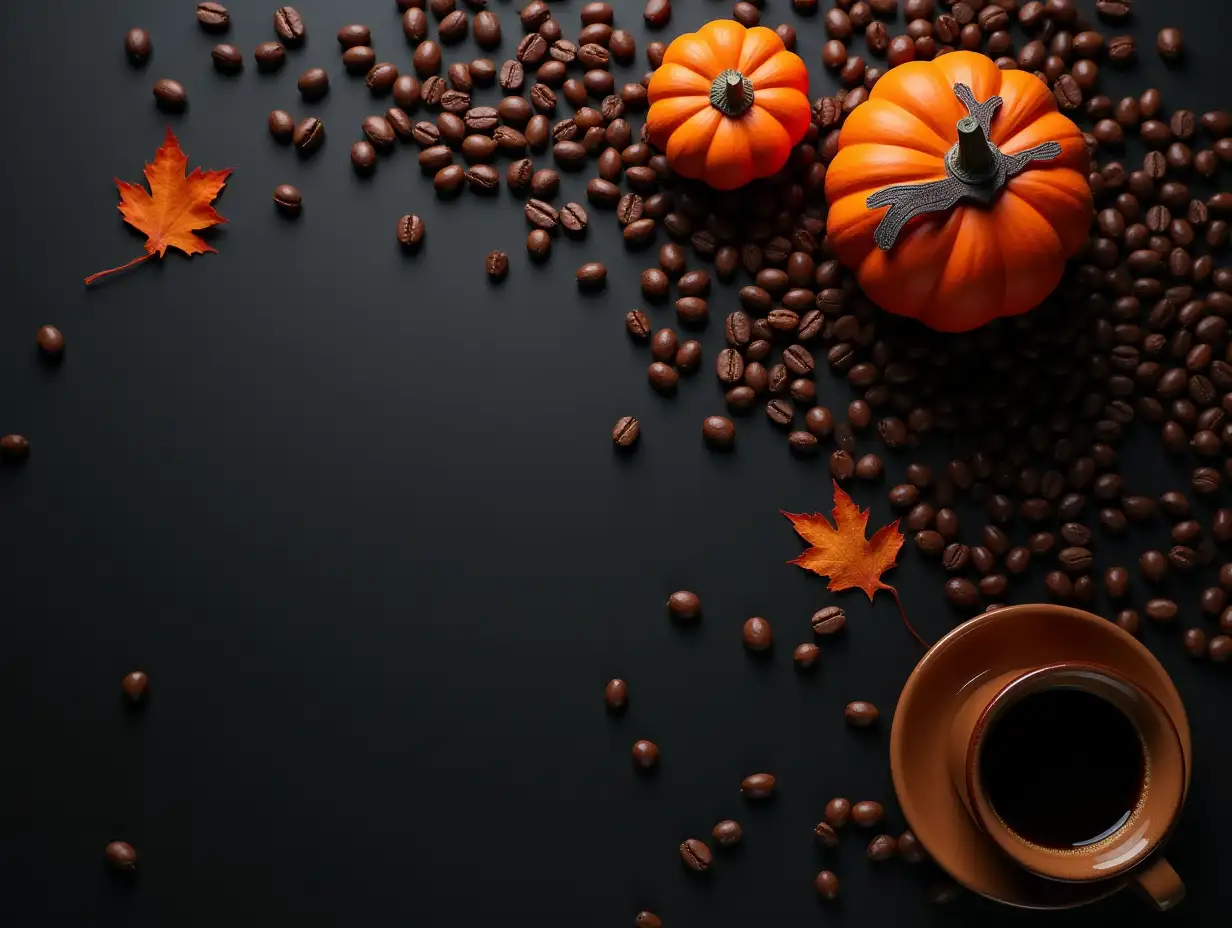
{"x":1127,"y":853}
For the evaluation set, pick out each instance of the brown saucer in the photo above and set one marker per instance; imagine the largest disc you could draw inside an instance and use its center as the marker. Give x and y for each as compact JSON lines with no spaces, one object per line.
{"x":1016,"y":637}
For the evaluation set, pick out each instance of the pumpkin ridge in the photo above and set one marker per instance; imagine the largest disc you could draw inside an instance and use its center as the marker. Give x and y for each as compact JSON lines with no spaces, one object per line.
{"x":873,"y":134}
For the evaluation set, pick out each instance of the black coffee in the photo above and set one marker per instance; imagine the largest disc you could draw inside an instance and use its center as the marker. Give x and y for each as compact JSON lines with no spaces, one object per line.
{"x":1063,"y":768}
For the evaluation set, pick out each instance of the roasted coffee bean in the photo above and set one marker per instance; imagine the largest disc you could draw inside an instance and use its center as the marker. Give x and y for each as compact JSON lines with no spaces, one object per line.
{"x":657,"y":13}
{"x":1170,"y":43}
{"x":647,"y":920}
{"x":861,"y":715}
{"x":718,"y":431}
{"x":869,"y":466}
{"x":448,"y":180}
{"x":134,"y":686}
{"x":827,"y":885}
{"x":410,"y":231}
{"x":1153,"y":566}
{"x":758,"y":785}
{"x":281,"y":125}
{"x":170,"y":95}
{"x":137,"y":46}
{"x":496,"y":266}
{"x":645,"y":754}
{"x":727,"y":833}
{"x":616,"y":693}
{"x":882,"y":847}
{"x":867,"y":813}
{"x":290,"y":26}
{"x":696,"y":855}
{"x":227,"y":59}
{"x":828,"y":620}
{"x":308,"y":135}
{"x":780,"y":413}
{"x":50,"y":341}
{"x":962,"y":593}
{"x":1161,"y":610}
{"x":288,"y":199}
{"x":121,"y":857}
{"x":842,"y":467}
{"x":353,"y":35}
{"x":363,"y":157}
{"x":692,"y":310}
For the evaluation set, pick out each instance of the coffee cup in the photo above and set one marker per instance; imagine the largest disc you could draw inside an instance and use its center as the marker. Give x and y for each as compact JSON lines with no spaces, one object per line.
{"x":1074,"y":772}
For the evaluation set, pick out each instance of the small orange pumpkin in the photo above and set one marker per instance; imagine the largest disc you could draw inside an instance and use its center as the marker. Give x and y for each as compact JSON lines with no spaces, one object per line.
{"x":728,"y":104}
{"x":986,"y":184}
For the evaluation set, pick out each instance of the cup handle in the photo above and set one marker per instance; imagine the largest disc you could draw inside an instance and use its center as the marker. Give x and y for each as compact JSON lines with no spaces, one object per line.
{"x":1161,"y":885}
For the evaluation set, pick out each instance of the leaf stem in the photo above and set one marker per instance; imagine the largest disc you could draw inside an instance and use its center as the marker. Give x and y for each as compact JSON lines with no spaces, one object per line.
{"x":906,"y":621}
{"x":123,"y":267}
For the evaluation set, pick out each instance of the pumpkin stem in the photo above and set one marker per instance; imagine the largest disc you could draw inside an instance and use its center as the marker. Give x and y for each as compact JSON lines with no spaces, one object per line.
{"x":974,"y":155}
{"x":731,"y":93}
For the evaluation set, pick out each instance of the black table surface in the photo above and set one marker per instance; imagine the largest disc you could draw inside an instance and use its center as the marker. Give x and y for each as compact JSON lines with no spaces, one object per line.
{"x":359,"y":517}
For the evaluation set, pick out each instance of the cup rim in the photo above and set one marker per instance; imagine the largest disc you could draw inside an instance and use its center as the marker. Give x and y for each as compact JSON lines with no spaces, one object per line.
{"x":997,"y":830}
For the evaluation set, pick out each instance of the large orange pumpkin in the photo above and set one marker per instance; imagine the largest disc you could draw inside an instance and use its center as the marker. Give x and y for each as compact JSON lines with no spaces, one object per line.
{"x":985,"y":184}
{"x":728,"y":104}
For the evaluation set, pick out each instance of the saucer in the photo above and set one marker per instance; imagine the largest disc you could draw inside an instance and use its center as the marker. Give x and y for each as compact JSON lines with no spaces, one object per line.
{"x":1016,"y":637}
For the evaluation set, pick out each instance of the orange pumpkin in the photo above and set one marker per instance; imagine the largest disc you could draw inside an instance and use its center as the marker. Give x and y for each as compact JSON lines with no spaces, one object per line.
{"x":985,"y":184}
{"x":728,"y":104}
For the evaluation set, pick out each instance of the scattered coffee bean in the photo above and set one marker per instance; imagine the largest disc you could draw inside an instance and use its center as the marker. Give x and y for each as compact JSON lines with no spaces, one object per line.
{"x":1161,"y":610}
{"x":645,"y":754}
{"x":757,"y":634}
{"x":827,"y":885}
{"x":1170,"y":43}
{"x":496,"y":266}
{"x":227,"y":59}
{"x":861,"y":714}
{"x":696,"y":855}
{"x":910,"y":849}
{"x":137,"y":46}
{"x":838,"y":812}
{"x":882,"y":847}
{"x":170,"y":95}
{"x":718,"y":431}
{"x":592,"y":275}
{"x":866,"y":814}
{"x":727,"y":833}
{"x":308,"y":135}
{"x":121,"y":857}
{"x":363,"y":157}
{"x":616,"y":694}
{"x":288,"y":199}
{"x":828,"y":620}
{"x":290,"y":26}
{"x":213,"y":17}
{"x":626,"y":431}
{"x":806,"y":655}
{"x":647,"y":920}
{"x":134,"y":686}
{"x":825,"y":834}
{"x":758,"y":786}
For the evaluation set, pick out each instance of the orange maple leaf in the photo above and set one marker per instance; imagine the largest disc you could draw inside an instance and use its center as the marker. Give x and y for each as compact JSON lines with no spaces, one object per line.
{"x":841,"y":553}
{"x":175,"y":207}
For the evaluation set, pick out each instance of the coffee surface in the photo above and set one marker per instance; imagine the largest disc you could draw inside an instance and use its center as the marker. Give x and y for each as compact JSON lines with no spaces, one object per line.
{"x":1063,"y":768}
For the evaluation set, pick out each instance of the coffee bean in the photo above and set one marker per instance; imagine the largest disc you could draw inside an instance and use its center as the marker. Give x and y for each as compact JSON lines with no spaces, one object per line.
{"x":281,"y":125}
{"x":134,"y":686}
{"x":544,"y":216}
{"x":867,"y":813}
{"x":616,"y":695}
{"x":758,"y":785}
{"x":426,"y":58}
{"x":861,"y":714}
{"x":692,"y":310}
{"x":290,"y":26}
{"x":718,"y":431}
{"x":696,"y":855}
{"x":727,"y":833}
{"x":410,"y":231}
{"x":962,"y":593}
{"x":757,"y":634}
{"x":729,"y":366}
{"x":780,"y":413}
{"x":496,"y":265}
{"x":227,"y":59}
{"x":647,"y":920}
{"x":825,"y":834}
{"x":882,"y":847}
{"x":828,"y":620}
{"x":591,"y":275}
{"x":121,"y":857}
{"x":363,"y":157}
{"x":1161,"y":610}
{"x":827,"y":885}
{"x":645,"y":754}
{"x":1170,"y":43}
{"x":1220,"y":649}
{"x":137,"y":46}
{"x":448,"y":180}
{"x":657,"y":13}
{"x":1153,"y":566}
{"x":869,"y":467}
{"x":288,"y":199}
{"x":308,"y":135}
{"x":170,"y":95}
{"x":662,"y":377}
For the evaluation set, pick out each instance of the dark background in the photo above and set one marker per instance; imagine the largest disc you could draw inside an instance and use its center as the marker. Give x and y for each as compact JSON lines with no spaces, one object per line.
{"x":359,"y":517}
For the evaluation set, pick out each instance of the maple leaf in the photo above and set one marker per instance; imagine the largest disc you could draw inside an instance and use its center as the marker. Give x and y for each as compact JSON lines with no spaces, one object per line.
{"x":175,"y":207}
{"x":841,"y":553}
